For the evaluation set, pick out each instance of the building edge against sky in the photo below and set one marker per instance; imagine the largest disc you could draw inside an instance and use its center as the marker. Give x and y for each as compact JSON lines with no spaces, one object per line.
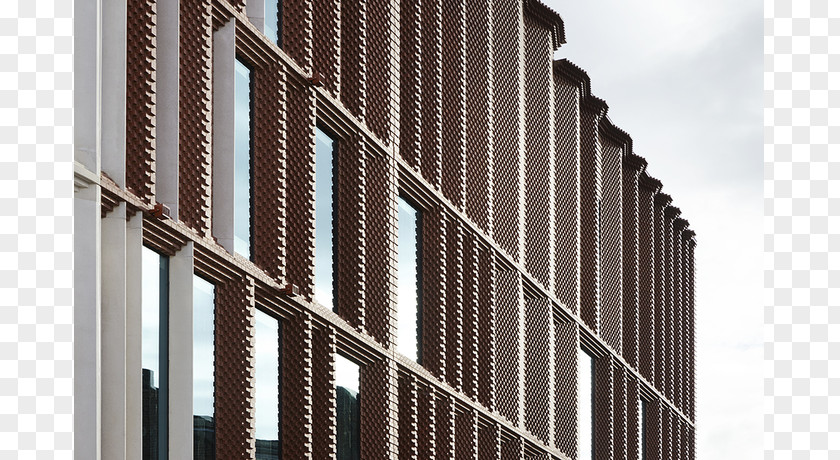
{"x":475,"y":185}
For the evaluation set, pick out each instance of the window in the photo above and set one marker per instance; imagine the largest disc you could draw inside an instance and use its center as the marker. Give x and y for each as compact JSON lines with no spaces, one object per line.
{"x":347,"y":408}
{"x":204,"y":428}
{"x":154,"y":352}
{"x":585,"y":427}
{"x":323,"y":219}
{"x":268,"y":384}
{"x":242,"y":161}
{"x":272,"y":20}
{"x":407,"y":280}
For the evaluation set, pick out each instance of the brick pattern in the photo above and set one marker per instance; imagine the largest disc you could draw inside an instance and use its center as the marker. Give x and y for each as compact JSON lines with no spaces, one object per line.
{"x":234,"y":360}
{"x":667,"y":434}
{"x":354,"y":59}
{"x":603,"y":407}
{"x":378,"y":412}
{"x":632,"y":400}
{"x":194,"y":115}
{"x":567,"y":255}
{"x":566,"y":345}
{"x":409,"y":423}
{"x":506,"y":119}
{"x":453,"y":59}
{"x":591,"y":112}
{"x":680,"y":317}
{"x":427,"y":420}
{"x":430,"y":91}
{"x":326,"y":43}
{"x":349,"y":205}
{"x":296,"y":28}
{"x":382,"y":73}
{"x":670,"y":306}
{"x":508,"y":384}
{"x":380,"y":257}
{"x":479,"y":123}
{"x":538,"y":349}
{"x":269,"y":171}
{"x":141,"y":25}
{"x":513,"y":449}
{"x":620,"y":413}
{"x":323,"y":393}
{"x":487,"y":324}
{"x":411,"y":98}
{"x":433,"y":341}
{"x":610,"y":251}
{"x":489,"y":445}
{"x":466,"y":436}
{"x":653,"y":431}
{"x":631,"y":167}
{"x":470,"y":324}
{"x":454,"y":298}
{"x":539,"y":164}
{"x":660,"y":201}
{"x":300,"y":212}
{"x":444,"y":428}
{"x":297,"y":388}
{"x":690,"y":318}
{"x":647,"y":278}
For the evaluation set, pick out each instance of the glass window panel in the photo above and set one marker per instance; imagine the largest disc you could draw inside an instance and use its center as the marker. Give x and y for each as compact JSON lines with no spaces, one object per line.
{"x":268,"y":381}
{"x":242,"y":161}
{"x":154,"y":313}
{"x":407,"y":300}
{"x":272,"y":20}
{"x":347,"y":408}
{"x":323,"y":219}
{"x":585,"y":402}
{"x":204,"y":430}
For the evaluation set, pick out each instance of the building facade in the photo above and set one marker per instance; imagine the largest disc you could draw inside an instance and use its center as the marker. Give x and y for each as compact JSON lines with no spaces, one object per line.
{"x":381,"y":229}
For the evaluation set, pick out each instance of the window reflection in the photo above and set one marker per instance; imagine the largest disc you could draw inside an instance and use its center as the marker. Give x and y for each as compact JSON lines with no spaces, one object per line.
{"x":154,"y":314}
{"x":242,"y":161}
{"x":323,"y":219}
{"x":347,"y":408}
{"x":268,"y":381}
{"x":204,"y":429}
{"x":272,"y":21}
{"x":407,"y":280}
{"x":585,"y":405}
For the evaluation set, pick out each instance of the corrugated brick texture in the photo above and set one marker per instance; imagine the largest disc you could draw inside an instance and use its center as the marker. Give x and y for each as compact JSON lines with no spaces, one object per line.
{"x":380,"y":256}
{"x":455,"y":300}
{"x":591,"y":111}
{"x":479,"y":107}
{"x":411,"y":99}
{"x":602,"y":408}
{"x":648,"y":188}
{"x":620,"y":413}
{"x":354,"y":57}
{"x":382,"y":73}
{"x":679,"y":316}
{"x":431,"y":34}
{"x":508,"y":383}
{"x":539,"y":164}
{"x":427,"y":420}
{"x":567,"y":256}
{"x":667,"y":434}
{"x":409,"y":424}
{"x":140,"y":98}
{"x":233,"y":364}
{"x":444,"y":428}
{"x":632,"y":165}
{"x":470,"y":323}
{"x":269,"y":171}
{"x":433,"y":343}
{"x":349,"y":204}
{"x":507,"y":165}
{"x":489,"y":445}
{"x":566,"y":345}
{"x":610,"y":244}
{"x":660,"y":201}
{"x":487,"y":328}
{"x":632,"y":401}
{"x":653,"y":431}
{"x":453,"y":59}
{"x":466,"y":435}
{"x":194,"y":115}
{"x":326,"y":42}
{"x":690,"y":244}
{"x":323,"y":392}
{"x":513,"y":449}
{"x":378,"y":411}
{"x":296,"y":28}
{"x":300,"y":215}
{"x":671,"y":214}
{"x":538,"y":349}
{"x":297,"y":387}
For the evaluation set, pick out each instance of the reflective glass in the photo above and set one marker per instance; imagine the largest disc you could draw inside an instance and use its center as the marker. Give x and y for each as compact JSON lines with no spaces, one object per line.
{"x":407,"y":300}
{"x":585,"y":405}
{"x":347,"y":408}
{"x":268,"y":381}
{"x":323,"y":219}
{"x":242,"y":161}
{"x":154,"y":313}
{"x":271,"y":20}
{"x":204,"y":428}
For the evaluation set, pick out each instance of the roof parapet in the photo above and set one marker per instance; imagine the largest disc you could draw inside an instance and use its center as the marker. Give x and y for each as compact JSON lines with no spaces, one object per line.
{"x":549,"y":18}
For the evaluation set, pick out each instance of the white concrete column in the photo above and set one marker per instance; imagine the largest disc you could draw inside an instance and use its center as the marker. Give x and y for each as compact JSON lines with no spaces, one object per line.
{"x":113,"y":334}
{"x":134,"y":337}
{"x":224,"y":93}
{"x":256,"y":13}
{"x":181,"y":353}
{"x":112,"y":90}
{"x":166,"y":172}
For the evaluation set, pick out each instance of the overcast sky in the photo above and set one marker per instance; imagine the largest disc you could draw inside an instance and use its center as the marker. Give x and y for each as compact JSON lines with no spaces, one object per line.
{"x":684,"y":79}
